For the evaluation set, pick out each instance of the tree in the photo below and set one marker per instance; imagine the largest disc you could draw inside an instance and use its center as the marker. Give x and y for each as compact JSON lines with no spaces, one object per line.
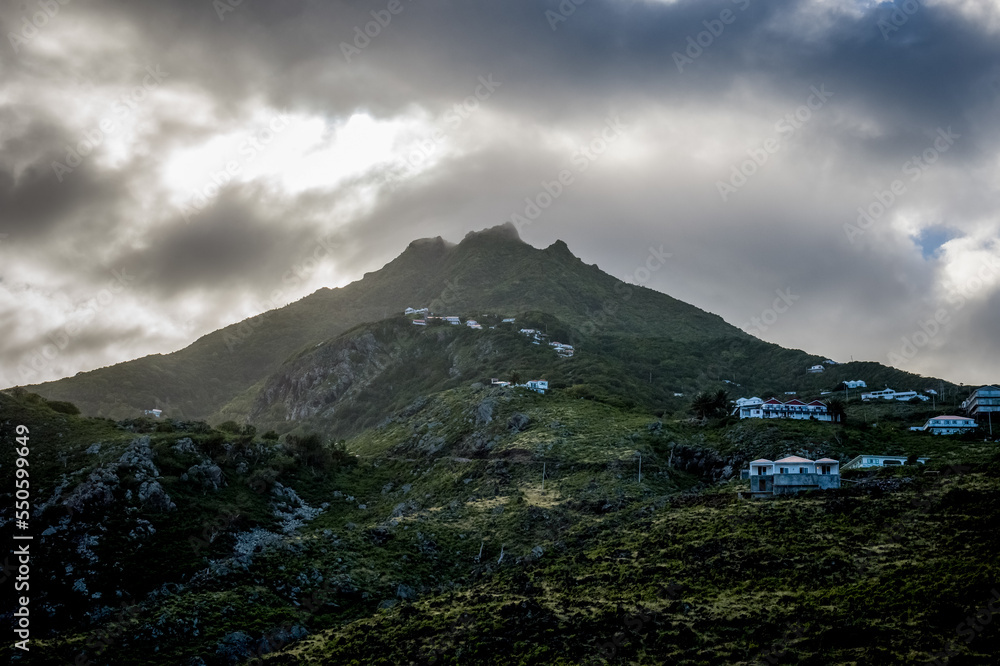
{"x":703,"y":405}
{"x":515,"y":378}
{"x":721,"y":402}
{"x":837,"y":409}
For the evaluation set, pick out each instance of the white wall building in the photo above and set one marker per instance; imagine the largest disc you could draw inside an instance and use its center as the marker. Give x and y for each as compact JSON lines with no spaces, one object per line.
{"x":862,"y":461}
{"x":855,"y":383}
{"x":984,"y":400}
{"x":790,"y":475}
{"x":537,"y":385}
{"x":816,"y":368}
{"x":889,"y":394}
{"x":947,"y":425}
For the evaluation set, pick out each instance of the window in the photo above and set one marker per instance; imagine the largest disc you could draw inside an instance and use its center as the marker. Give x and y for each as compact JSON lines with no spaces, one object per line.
{"x":802,"y":470}
{"x":784,"y":470}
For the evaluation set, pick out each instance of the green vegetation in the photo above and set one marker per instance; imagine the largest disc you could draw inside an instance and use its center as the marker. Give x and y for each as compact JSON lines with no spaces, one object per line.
{"x":367,"y":497}
{"x":439,"y":540}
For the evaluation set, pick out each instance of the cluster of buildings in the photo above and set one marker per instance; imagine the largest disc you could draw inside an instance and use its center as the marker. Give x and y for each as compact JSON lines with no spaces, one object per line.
{"x":536,"y":385}
{"x":537,"y":337}
{"x":793,"y":474}
{"x":755,"y":408}
{"x":562,"y":349}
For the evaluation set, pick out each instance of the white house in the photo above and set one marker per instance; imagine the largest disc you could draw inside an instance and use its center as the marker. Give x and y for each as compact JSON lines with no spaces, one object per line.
{"x":454,"y":321}
{"x":508,"y":320}
{"x":420,"y":322}
{"x":156,"y":413}
{"x":416,"y":311}
{"x":749,"y":408}
{"x":983,"y":400}
{"x":537,"y":385}
{"x":772,"y":408}
{"x":947,"y":425}
{"x":855,"y":383}
{"x":859,"y":462}
{"x":472,"y":323}
{"x":790,"y":475}
{"x":496,"y":382}
{"x":816,"y":368}
{"x":889,"y":394}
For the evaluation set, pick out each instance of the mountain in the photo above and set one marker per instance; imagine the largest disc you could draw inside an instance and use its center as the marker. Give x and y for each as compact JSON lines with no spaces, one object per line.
{"x":635,"y":346}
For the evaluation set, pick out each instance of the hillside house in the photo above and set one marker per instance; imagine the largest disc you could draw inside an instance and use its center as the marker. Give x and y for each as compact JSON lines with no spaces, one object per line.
{"x":508,"y":320}
{"x":790,"y":475}
{"x":947,"y":425}
{"x":863,"y":461}
{"x":420,"y":322}
{"x":816,"y":368}
{"x":537,"y":385}
{"x":855,"y":383}
{"x":983,"y":401}
{"x":472,"y":323}
{"x":416,"y":311}
{"x":155,"y":413}
{"x":562,"y":349}
{"x":755,"y":408}
{"x":497,"y":382}
{"x":889,"y":394}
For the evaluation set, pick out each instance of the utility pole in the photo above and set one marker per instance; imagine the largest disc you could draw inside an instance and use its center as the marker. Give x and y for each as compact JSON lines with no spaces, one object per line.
{"x":640,"y":467}
{"x":543,"y":476}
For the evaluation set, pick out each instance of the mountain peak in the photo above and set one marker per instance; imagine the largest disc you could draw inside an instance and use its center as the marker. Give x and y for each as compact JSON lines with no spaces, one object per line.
{"x":505,"y":231}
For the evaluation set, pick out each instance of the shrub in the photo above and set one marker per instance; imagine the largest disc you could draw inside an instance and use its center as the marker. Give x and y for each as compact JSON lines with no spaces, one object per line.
{"x":63,"y":407}
{"x":229,"y":426}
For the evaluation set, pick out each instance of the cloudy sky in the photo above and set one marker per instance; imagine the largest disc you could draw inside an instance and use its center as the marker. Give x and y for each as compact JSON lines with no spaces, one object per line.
{"x":170,"y":167}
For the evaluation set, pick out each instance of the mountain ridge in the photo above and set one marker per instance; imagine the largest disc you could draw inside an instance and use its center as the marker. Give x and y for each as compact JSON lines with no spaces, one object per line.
{"x":629,"y":334}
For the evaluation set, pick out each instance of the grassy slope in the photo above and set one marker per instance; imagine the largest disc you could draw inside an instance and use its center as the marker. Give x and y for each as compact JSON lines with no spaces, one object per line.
{"x":652,"y":573}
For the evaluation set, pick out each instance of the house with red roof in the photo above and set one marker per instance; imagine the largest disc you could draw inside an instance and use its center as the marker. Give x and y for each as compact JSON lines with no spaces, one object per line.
{"x":772,"y":408}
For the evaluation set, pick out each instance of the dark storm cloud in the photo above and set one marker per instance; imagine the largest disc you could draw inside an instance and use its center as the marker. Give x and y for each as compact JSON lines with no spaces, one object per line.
{"x":231,"y":246}
{"x":893,"y":89}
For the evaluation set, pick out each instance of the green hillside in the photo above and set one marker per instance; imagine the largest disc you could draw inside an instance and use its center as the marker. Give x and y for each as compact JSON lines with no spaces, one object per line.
{"x":638,"y":346}
{"x":499,"y":526}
